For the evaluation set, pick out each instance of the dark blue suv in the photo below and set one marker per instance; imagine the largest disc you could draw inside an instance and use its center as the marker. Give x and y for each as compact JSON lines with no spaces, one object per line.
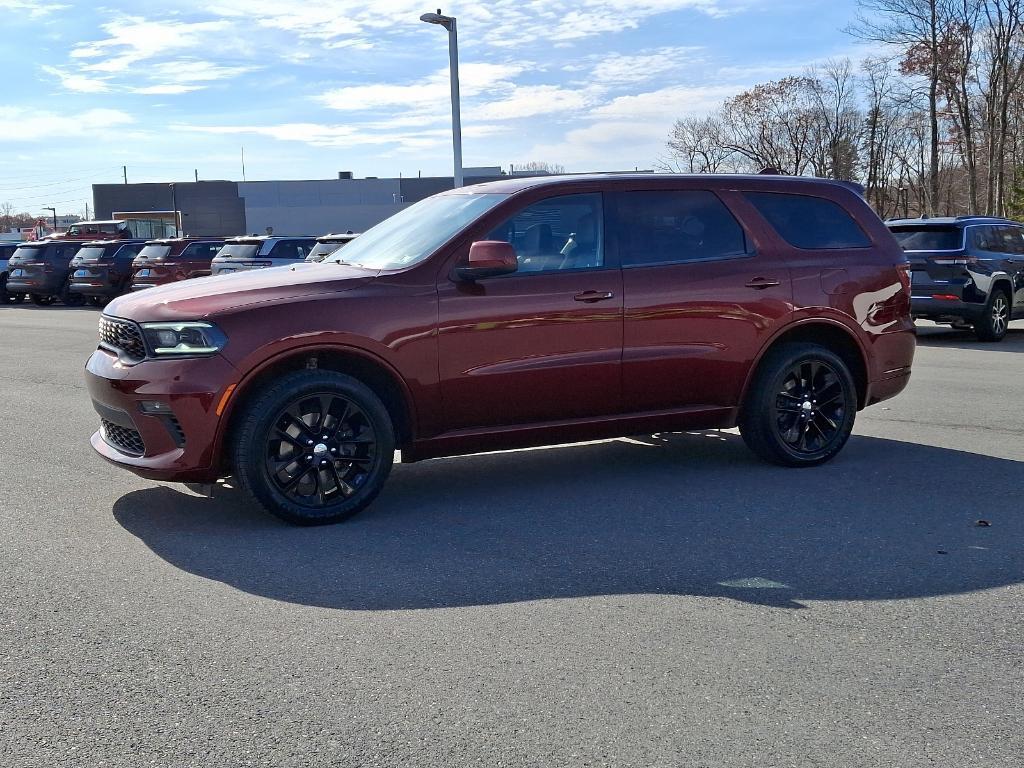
{"x":967,"y":272}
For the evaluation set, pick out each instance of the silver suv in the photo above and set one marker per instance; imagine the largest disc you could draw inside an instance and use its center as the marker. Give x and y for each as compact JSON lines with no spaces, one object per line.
{"x":240,"y":254}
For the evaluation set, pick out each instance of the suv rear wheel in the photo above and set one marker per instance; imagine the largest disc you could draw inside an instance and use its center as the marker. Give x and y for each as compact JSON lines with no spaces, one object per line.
{"x":801,"y":406}
{"x":992,"y":325}
{"x":314,"y":448}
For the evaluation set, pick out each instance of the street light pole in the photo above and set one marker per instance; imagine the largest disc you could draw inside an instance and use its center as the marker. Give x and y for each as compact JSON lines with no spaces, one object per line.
{"x":54,"y":212}
{"x":449,"y":23}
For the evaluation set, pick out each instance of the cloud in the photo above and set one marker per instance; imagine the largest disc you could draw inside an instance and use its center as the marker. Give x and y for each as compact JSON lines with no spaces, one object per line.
{"x":616,"y":69}
{"x":32,"y":8}
{"x":665,"y":104}
{"x":532,"y":100}
{"x":39,"y":125}
{"x":77,"y":82}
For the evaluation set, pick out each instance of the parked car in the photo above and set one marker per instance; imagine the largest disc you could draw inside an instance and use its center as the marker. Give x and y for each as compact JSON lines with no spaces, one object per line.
{"x":6,"y":251}
{"x":967,"y":272}
{"x":108,"y":229}
{"x":329,"y":244}
{"x":174,"y":259}
{"x":41,"y":269}
{"x":523,"y":312}
{"x":241,"y":254}
{"x":102,"y":269}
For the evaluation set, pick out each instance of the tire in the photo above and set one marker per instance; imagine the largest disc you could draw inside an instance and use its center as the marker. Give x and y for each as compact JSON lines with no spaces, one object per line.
{"x":69,"y":299}
{"x":992,"y":325}
{"x":16,"y":298}
{"x":784,"y":421}
{"x":99,"y":301}
{"x":269,"y":446}
{"x":42,"y":301}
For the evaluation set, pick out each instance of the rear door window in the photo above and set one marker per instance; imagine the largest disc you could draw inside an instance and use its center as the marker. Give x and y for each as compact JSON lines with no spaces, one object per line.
{"x":675,"y":226}
{"x":809,"y":223}
{"x":987,"y":238}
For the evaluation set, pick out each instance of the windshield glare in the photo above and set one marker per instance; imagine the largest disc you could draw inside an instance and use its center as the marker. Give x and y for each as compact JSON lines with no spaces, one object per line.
{"x":323,"y":250}
{"x":929,"y":238}
{"x":410,"y":236}
{"x":154,"y":251}
{"x":238,"y":251}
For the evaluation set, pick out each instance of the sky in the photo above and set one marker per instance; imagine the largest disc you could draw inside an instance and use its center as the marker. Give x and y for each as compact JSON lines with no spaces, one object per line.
{"x":313,"y":88}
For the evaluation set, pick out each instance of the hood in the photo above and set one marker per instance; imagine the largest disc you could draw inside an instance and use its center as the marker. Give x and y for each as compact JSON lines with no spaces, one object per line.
{"x":205,"y":297}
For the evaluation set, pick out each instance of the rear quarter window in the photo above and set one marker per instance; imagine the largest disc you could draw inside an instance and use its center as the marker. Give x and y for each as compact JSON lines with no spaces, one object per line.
{"x":809,"y":223}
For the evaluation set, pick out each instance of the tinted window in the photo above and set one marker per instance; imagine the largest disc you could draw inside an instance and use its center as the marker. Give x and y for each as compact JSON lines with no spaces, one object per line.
{"x":928,"y":238}
{"x":564,"y":232}
{"x":200,"y":250}
{"x":986,"y":238}
{"x":667,"y":227}
{"x":1013,"y":237}
{"x":238,"y":251}
{"x":809,"y":222}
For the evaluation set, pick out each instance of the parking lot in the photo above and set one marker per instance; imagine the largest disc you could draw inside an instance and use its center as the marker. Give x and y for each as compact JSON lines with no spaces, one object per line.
{"x":658,"y":601}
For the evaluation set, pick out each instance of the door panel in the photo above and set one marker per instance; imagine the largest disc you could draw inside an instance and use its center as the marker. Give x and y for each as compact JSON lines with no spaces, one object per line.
{"x":522,"y":349}
{"x":542,"y":344}
{"x":692,"y":327}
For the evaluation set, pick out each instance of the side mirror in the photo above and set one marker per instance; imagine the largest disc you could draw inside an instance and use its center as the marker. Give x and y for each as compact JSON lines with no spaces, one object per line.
{"x":488,"y":258}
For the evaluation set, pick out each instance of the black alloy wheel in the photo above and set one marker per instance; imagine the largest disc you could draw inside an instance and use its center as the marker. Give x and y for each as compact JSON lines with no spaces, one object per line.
{"x":321,"y":449}
{"x":801,"y":407}
{"x":810,"y":407}
{"x":315,"y":448}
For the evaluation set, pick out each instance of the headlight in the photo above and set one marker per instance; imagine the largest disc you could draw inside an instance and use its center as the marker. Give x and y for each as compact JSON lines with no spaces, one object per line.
{"x":183,"y":339}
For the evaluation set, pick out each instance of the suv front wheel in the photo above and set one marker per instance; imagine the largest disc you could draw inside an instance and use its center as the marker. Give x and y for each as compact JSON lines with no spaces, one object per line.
{"x":801,"y":406}
{"x":314,"y":448}
{"x":992,"y":325}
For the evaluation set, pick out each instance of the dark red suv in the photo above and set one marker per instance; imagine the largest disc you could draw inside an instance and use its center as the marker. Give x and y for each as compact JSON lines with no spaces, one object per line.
{"x":173,"y":259}
{"x":513,"y":314}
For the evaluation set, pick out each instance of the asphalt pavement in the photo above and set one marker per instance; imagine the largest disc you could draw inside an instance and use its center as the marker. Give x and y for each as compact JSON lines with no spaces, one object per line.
{"x":657,"y":601}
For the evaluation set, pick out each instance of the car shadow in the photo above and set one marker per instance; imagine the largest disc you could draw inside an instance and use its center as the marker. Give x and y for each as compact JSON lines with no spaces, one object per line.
{"x":951,"y":338}
{"x":691,"y":514}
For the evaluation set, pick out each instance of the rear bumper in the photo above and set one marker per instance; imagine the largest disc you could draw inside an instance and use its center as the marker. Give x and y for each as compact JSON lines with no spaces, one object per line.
{"x":176,"y":450}
{"x":94,"y":288}
{"x":928,"y":308}
{"x":40,"y":286}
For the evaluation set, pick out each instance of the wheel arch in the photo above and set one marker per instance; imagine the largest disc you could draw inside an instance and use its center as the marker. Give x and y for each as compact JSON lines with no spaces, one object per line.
{"x":370,"y":369}
{"x":829,"y":334}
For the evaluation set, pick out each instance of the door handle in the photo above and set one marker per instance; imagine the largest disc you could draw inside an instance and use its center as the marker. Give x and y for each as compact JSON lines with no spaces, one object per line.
{"x":593,"y":296}
{"x":760,"y":283}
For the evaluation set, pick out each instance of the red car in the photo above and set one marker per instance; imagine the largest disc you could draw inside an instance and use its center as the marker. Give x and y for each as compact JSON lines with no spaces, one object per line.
{"x":518,"y":313}
{"x":173,"y":259}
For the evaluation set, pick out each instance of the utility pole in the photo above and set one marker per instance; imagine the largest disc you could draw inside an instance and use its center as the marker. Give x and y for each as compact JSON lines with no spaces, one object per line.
{"x":54,"y":212}
{"x":125,"y":169}
{"x":174,"y":208}
{"x":243,"y":163}
{"x":197,"y":175}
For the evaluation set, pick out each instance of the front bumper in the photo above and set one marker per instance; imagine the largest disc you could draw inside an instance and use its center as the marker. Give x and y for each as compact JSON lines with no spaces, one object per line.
{"x":178,"y":449}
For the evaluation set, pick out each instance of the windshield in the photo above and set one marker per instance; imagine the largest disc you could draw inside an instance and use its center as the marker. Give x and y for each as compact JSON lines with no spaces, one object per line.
{"x":929,"y":238}
{"x":238,"y":251}
{"x":412,"y":235}
{"x":154,"y":251}
{"x":107,"y":229}
{"x":92,"y":252}
{"x":28,"y":253}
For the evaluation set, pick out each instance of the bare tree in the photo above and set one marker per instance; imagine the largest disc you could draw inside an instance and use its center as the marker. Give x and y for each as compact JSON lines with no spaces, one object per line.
{"x":912,"y":25}
{"x":698,"y":145}
{"x":540,"y":166}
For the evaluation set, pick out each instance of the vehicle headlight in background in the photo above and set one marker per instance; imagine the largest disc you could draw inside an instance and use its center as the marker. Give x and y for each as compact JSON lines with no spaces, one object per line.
{"x":181,"y":339}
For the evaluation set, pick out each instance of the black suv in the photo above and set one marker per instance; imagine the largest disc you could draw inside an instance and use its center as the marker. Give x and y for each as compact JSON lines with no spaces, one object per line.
{"x":41,"y":270}
{"x":966,"y":271}
{"x":102,"y":269}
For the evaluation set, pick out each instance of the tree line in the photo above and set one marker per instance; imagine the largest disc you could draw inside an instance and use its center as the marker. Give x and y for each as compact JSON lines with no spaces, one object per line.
{"x":934,"y":128}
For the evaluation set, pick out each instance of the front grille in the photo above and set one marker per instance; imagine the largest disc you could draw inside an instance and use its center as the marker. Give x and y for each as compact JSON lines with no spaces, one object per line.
{"x":122,"y":337}
{"x":125,"y":440}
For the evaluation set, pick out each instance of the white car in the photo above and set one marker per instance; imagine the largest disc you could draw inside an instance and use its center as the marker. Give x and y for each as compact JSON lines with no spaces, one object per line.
{"x":241,"y":254}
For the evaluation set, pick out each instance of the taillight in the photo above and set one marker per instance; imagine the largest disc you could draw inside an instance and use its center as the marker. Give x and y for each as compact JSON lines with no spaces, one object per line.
{"x":958,"y":261}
